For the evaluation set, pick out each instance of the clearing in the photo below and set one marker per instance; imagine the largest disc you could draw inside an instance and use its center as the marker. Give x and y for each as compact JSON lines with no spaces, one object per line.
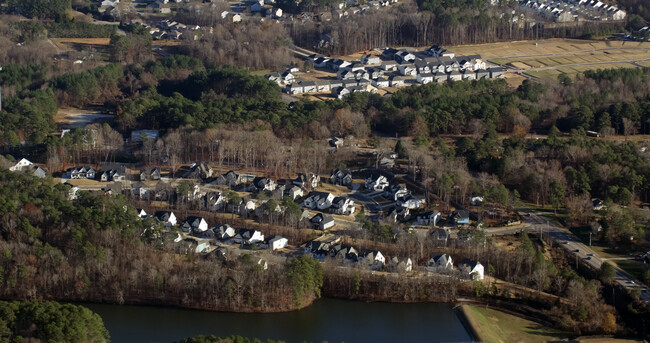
{"x":68,"y":118}
{"x":496,"y":326}
{"x":551,"y":57}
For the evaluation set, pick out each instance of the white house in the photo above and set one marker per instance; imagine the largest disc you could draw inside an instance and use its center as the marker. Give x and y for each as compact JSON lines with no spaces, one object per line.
{"x":224,"y":231}
{"x":428,"y":218}
{"x":401,"y":265}
{"x":319,"y":200}
{"x":294,"y":192}
{"x":425,"y":78}
{"x":166,"y":217}
{"x":141,"y":213}
{"x":372,"y":258}
{"x":370,"y":59}
{"x":441,"y":262}
{"x":376,"y":182}
{"x":411,"y":202}
{"x":195,"y":224}
{"x":257,"y":7}
{"x":476,"y":200}
{"x":251,"y":236}
{"x":343,"y":206}
{"x":21,"y":165}
{"x":321,"y":222}
{"x":278,"y":242}
{"x":472,"y":269}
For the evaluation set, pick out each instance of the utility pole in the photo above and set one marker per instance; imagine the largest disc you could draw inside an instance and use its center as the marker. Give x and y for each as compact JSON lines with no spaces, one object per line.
{"x":590,"y":238}
{"x":0,"y":94}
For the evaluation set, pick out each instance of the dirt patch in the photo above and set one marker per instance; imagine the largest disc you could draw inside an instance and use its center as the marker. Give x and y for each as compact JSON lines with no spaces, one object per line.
{"x":68,"y":118}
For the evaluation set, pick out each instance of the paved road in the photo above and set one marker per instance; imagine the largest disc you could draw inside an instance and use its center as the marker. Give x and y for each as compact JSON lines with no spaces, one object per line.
{"x":581,"y":251}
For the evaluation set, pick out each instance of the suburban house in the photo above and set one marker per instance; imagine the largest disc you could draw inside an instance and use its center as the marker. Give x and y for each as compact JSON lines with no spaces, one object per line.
{"x":230,"y":179}
{"x":598,"y":204}
{"x":381,"y":82}
{"x":472,"y":269}
{"x":441,"y":235}
{"x":399,"y":214}
{"x":372,"y":258}
{"x":336,"y":142}
{"x":317,"y":249}
{"x":261,"y":184}
{"x":274,"y":77}
{"x":389,"y":65}
{"x":21,"y":165}
{"x":425,"y":78}
{"x":257,"y":6}
{"x":396,"y":191}
{"x":397,"y":81}
{"x":321,"y":222}
{"x":455,"y":75}
{"x":166,"y":217}
{"x":141,"y":213}
{"x":294,"y":192}
{"x":224,"y":231}
{"x":428,"y":218}
{"x":404,"y":56}
{"x":80,"y":173}
{"x":194,"y":224}
{"x":199,"y":171}
{"x":111,"y":175}
{"x":401,"y":265}
{"x":214,"y":201}
{"x":460,"y":216}
{"x":344,"y":252}
{"x":277,"y":242}
{"x":407,"y":69}
{"x":307,"y":181}
{"x":250,"y":236}
{"x":370,"y":59}
{"x":476,"y":200}
{"x":341,"y":177}
{"x":441,"y":262}
{"x":496,"y":73}
{"x":318,"y":200}
{"x":411,"y":202}
{"x":376,"y":182}
{"x":153,"y":174}
{"x":343,"y":206}
{"x":323,"y":86}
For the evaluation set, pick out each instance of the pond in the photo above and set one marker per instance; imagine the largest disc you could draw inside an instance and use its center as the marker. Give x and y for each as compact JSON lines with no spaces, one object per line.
{"x":330,"y":320}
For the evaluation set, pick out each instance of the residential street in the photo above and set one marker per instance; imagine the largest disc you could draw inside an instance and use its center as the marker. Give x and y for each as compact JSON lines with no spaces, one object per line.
{"x":580,"y":250}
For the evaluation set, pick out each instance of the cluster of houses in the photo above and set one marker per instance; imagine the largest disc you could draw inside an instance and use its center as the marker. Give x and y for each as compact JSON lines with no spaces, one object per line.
{"x":170,"y":29}
{"x":394,"y":68}
{"x":198,"y":227}
{"x":574,"y":10}
{"x":332,"y":248}
{"x":84,"y":172}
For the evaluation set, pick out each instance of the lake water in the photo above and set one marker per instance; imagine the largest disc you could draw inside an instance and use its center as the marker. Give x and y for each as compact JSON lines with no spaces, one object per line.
{"x":329,"y":320}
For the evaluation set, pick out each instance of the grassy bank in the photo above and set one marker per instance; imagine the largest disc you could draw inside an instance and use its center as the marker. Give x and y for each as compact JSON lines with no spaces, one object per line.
{"x":495,"y":326}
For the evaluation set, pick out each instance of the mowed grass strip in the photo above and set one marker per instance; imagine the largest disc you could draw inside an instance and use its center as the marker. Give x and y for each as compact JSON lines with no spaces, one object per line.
{"x":496,"y":326}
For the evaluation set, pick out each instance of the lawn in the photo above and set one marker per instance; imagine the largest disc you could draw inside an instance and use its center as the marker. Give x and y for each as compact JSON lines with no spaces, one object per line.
{"x":497,"y":326}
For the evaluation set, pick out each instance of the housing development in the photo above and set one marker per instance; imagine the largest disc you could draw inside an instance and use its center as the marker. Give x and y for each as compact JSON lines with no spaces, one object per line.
{"x":212,"y":171}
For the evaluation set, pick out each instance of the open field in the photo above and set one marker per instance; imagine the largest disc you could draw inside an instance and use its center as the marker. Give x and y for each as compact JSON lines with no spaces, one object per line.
{"x":496,"y":326}
{"x":551,"y":57}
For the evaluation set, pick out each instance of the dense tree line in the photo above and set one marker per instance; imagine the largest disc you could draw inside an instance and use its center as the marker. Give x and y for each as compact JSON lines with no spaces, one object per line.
{"x":41,"y":9}
{"x":406,"y":25}
{"x":49,"y":321}
{"x":248,"y":44}
{"x":79,"y":29}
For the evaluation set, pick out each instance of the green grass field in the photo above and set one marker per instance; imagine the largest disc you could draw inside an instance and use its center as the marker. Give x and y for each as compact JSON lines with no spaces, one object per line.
{"x":497,"y":326}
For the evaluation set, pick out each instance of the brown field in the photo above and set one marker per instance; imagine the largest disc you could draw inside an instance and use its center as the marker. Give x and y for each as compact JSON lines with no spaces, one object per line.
{"x":549,"y":58}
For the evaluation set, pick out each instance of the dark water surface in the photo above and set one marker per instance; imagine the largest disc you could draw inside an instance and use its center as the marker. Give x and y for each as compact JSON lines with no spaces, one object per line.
{"x":329,"y":320}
